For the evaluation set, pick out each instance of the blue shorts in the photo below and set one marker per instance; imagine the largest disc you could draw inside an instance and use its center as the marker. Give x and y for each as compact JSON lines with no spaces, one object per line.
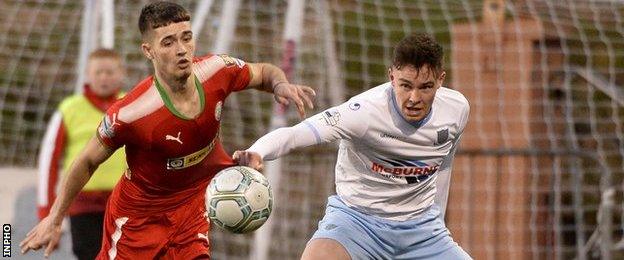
{"x":369,"y":237}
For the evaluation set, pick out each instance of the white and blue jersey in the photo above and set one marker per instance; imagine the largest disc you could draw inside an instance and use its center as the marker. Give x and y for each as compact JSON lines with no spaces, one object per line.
{"x":386,"y":167}
{"x":390,"y":173}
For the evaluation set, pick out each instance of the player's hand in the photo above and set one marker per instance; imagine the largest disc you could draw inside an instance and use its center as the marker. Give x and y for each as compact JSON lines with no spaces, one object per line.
{"x":45,"y":234}
{"x":301,"y":95}
{"x":249,"y":159}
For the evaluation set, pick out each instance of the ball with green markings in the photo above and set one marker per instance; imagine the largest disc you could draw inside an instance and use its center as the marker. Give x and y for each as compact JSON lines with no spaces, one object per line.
{"x":239,"y":199}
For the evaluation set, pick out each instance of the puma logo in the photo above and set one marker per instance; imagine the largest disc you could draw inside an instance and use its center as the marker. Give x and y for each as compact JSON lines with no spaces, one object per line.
{"x":170,"y":137}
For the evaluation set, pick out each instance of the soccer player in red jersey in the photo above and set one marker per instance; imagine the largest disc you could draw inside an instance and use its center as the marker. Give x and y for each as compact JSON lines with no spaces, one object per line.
{"x":169,"y":125}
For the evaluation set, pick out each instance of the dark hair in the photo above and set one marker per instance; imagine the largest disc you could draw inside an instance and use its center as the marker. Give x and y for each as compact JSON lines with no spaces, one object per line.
{"x":159,"y":14}
{"x":418,"y":50}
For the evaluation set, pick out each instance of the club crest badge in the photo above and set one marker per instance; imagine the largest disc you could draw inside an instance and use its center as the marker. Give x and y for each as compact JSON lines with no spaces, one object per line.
{"x":443,"y":136}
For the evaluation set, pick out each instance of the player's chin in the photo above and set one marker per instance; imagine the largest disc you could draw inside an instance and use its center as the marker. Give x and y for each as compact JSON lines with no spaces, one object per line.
{"x":183,"y":74}
{"x":413,"y":116}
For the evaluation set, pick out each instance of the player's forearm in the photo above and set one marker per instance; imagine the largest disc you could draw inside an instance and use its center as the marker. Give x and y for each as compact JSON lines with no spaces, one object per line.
{"x":271,"y":77}
{"x":283,"y":140}
{"x":79,"y":174}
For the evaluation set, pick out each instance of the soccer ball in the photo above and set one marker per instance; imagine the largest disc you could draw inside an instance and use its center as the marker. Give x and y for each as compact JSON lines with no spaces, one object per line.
{"x":239,"y":199}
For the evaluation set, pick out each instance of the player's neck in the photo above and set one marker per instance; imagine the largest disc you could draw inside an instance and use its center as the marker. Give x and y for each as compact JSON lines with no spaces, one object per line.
{"x":182,"y":98}
{"x":175,"y":87}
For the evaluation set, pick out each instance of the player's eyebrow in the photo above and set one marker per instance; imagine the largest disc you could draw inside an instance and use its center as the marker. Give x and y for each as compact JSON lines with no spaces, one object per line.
{"x":168,"y":37}
{"x":405,"y":81}
{"x":173,"y":36}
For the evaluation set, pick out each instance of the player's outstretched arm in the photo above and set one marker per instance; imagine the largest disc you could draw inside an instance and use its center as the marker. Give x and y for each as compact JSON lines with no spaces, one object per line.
{"x":346,"y":121}
{"x":275,"y":144}
{"x":269,"y":78}
{"x":48,"y":232}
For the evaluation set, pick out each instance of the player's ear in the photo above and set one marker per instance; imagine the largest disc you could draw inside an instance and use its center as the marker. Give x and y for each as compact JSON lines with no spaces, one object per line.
{"x":441,"y":78}
{"x":390,"y":76}
{"x":147,"y":50}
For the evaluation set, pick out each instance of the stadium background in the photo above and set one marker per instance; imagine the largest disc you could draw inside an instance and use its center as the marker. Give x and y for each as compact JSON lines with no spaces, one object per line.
{"x":541,"y":158}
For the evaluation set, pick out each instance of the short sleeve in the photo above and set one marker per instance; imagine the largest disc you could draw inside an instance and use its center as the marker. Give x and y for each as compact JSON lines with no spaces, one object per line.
{"x":237,"y":71}
{"x":112,"y":132}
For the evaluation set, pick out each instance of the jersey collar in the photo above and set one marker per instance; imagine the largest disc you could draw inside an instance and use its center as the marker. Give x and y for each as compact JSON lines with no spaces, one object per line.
{"x":169,"y":103}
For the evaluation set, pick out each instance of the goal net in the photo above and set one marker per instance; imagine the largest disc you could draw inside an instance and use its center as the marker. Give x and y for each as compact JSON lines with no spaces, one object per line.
{"x":541,"y":167}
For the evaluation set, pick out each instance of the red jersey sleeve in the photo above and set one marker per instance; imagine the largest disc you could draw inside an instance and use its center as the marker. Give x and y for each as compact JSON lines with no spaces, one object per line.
{"x":237,"y":71}
{"x":112,"y":132}
{"x":234,"y":73}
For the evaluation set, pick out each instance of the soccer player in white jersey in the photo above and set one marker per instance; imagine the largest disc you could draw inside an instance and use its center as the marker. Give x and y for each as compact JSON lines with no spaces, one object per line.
{"x":397,"y":143}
